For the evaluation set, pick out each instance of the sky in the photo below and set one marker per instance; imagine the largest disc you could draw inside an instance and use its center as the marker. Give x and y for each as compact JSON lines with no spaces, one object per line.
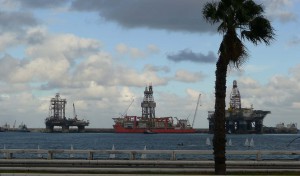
{"x":101,"y":54}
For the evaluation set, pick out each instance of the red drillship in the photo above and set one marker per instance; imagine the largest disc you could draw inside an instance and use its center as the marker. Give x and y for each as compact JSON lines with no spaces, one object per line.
{"x":148,"y":123}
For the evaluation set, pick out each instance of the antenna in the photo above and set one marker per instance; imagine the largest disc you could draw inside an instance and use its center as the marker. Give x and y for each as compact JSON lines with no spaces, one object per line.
{"x":196,"y":110}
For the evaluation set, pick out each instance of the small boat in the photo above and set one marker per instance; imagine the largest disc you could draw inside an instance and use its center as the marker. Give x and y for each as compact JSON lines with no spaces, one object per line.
{"x":229,"y":143}
{"x":180,"y":144}
{"x":22,"y":128}
{"x":144,"y":156}
{"x":39,"y":154}
{"x":112,"y":155}
{"x":72,"y":155}
{"x":149,"y":132}
{"x":208,"y":141}
{"x":246,"y":143}
{"x":251,"y":144}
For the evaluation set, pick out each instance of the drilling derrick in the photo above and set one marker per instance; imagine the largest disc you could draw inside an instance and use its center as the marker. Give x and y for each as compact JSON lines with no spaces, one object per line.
{"x":57,"y":116}
{"x":240,"y":120}
{"x":235,"y":97}
{"x":57,"y":107}
{"x":148,"y":105}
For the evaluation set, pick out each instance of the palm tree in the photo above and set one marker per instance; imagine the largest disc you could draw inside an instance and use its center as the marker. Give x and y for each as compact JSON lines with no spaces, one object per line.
{"x":237,"y":20}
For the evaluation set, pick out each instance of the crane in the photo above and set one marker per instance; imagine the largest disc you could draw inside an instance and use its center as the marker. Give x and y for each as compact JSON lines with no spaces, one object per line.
{"x":74,"y":112}
{"x":196,"y":110}
{"x":14,"y":125}
{"x":125,"y":113}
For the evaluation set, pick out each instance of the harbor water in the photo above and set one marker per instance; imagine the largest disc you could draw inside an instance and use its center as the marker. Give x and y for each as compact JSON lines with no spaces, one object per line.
{"x":105,"y":141}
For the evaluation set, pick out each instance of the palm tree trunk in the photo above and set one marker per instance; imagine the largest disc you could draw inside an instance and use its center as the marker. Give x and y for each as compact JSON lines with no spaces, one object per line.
{"x":219,"y":139}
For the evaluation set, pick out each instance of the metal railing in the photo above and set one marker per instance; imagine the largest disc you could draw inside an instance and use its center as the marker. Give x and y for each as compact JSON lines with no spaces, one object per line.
{"x":137,"y":154}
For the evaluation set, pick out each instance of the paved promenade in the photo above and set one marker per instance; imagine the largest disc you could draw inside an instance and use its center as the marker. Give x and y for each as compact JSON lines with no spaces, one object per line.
{"x":59,"y":166}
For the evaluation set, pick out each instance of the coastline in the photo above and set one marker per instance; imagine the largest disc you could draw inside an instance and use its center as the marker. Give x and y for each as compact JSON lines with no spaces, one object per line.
{"x":268,"y":130}
{"x":98,"y":130}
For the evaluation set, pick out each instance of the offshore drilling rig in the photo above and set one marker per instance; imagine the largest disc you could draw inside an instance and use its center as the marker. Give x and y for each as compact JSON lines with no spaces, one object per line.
{"x":240,"y":120}
{"x":57,"y":116}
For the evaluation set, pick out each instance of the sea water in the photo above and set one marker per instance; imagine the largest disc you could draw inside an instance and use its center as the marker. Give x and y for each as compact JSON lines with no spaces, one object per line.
{"x":105,"y":141}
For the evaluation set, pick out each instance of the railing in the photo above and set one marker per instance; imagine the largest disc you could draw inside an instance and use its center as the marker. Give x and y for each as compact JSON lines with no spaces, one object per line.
{"x":136,"y":154}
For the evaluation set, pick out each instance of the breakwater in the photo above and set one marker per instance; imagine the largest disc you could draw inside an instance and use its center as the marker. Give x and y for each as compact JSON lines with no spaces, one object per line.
{"x":99,"y":130}
{"x":71,"y":130}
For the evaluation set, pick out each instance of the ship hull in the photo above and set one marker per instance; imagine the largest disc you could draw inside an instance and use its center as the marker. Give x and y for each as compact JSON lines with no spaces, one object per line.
{"x":152,"y":130}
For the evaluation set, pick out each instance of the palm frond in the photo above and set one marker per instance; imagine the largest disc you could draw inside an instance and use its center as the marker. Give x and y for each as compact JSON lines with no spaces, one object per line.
{"x":245,"y":15}
{"x":233,"y":49}
{"x":247,"y":11}
{"x":210,"y":13}
{"x":260,"y":30}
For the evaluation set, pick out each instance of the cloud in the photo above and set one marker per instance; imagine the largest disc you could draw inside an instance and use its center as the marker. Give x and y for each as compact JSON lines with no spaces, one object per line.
{"x":8,"y":40}
{"x":189,"y":55}
{"x":280,"y":10}
{"x":189,"y":77}
{"x":152,"y":49}
{"x":294,"y":41}
{"x":171,"y":15}
{"x":40,"y":69}
{"x":133,"y":52}
{"x":16,"y":21}
{"x":65,"y":61}
{"x":296,"y":105}
{"x":30,"y":35}
{"x":36,"y":35}
{"x":152,"y":68}
{"x":8,"y":64}
{"x":130,"y":51}
{"x":30,"y":4}
{"x":63,"y":46}
{"x":48,"y":58}
{"x":101,"y":69}
{"x":18,"y":35}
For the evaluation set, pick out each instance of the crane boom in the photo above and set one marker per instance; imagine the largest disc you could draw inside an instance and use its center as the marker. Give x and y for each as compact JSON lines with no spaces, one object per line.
{"x":14,"y":125}
{"x":196,"y":110}
{"x":125,"y":113}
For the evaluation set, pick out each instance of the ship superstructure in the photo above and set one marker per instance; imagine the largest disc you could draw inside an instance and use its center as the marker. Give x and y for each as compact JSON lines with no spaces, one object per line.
{"x":148,"y":122}
{"x":240,"y":120}
{"x":288,"y":128}
{"x":57,"y":116}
